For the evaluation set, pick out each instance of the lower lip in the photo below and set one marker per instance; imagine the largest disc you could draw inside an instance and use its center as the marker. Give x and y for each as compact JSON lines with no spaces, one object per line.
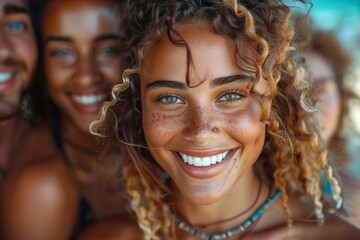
{"x":84,"y":108}
{"x":8,"y":84}
{"x":205,"y":172}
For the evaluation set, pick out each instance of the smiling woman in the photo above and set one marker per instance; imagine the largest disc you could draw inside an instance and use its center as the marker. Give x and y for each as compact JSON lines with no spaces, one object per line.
{"x":81,"y":58}
{"x":219,"y":125}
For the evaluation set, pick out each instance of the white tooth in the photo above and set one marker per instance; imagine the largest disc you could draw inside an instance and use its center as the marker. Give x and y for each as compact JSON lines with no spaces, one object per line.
{"x":89,"y":99}
{"x":206,"y":161}
{"x":197,"y":162}
{"x":213,"y":159}
{"x":227,"y":153}
{"x":184,"y":157}
{"x":4,"y":77}
{"x":219,"y":158}
{"x":190,"y":160}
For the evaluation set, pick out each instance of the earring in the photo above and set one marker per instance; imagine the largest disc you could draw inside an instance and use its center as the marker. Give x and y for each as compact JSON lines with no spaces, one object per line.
{"x":27,"y":107}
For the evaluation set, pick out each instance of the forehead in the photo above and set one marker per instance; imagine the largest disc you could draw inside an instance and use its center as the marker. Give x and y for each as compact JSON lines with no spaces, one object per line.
{"x":212,"y":55}
{"x":318,"y":65}
{"x":68,"y":17}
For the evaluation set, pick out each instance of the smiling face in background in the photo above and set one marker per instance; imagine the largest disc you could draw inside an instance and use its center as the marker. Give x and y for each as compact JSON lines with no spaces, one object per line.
{"x":82,"y":56}
{"x":18,"y":53}
{"x":205,"y":137}
{"x":329,"y":103}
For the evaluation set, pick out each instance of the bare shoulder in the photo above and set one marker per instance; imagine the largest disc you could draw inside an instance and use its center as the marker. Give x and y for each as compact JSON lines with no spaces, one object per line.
{"x":38,"y":173}
{"x":333,"y":229}
{"x":304,"y":225}
{"x":120,"y":227}
{"x":40,"y":199}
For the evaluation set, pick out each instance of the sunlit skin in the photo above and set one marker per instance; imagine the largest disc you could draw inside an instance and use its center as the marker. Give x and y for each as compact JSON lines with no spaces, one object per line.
{"x":329,"y":103}
{"x":18,"y":53}
{"x":82,"y":57}
{"x":216,"y":116}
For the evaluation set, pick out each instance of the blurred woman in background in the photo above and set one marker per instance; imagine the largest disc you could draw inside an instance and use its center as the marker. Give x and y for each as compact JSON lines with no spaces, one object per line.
{"x":81,"y":50}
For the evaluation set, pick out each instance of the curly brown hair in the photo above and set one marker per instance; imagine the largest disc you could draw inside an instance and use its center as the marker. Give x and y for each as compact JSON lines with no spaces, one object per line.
{"x":293,"y":157}
{"x":326,"y":44}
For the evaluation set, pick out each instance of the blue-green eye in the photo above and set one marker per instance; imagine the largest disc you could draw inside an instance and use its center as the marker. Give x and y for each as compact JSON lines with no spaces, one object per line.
{"x":17,"y":26}
{"x":61,"y":52}
{"x":109,"y":51}
{"x":231,"y":97}
{"x":170,"y":100}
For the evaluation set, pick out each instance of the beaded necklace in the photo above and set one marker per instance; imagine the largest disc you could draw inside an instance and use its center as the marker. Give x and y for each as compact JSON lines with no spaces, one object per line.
{"x":238,"y":229}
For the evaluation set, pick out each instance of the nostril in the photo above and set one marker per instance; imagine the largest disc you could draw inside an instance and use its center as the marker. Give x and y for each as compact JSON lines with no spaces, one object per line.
{"x":215,"y":130}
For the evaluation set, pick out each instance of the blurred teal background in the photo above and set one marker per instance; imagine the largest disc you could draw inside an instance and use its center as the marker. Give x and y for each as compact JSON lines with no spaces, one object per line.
{"x":342,"y":17}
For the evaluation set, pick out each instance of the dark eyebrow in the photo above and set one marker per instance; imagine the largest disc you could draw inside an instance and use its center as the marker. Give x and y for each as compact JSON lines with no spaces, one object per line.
{"x":58,"y":39}
{"x":229,"y":79}
{"x":214,"y":83}
{"x":68,"y":39}
{"x":105,"y":37}
{"x":166,"y":84}
{"x":13,"y":9}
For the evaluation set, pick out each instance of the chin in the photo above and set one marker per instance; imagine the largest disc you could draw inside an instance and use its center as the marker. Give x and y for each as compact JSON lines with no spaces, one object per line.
{"x":204,"y":194}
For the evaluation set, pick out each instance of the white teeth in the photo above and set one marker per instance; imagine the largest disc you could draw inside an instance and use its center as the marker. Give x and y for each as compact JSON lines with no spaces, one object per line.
{"x":205,"y":161}
{"x":89,"y":99}
{"x":5,"y":77}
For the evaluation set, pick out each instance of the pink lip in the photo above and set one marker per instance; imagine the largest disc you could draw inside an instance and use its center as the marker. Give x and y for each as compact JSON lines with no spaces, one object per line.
{"x":90,"y":108}
{"x":5,"y":86}
{"x":204,"y":172}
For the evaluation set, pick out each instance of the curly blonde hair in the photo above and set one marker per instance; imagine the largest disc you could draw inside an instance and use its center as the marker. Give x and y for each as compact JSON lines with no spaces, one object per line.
{"x":292,"y":159}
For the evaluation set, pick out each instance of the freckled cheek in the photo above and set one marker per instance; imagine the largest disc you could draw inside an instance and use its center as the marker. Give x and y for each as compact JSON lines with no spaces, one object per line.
{"x":245,"y":125}
{"x":159,"y":128}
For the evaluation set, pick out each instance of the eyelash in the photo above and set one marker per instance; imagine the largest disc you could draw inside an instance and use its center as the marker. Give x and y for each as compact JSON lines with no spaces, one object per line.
{"x":60,"y":52}
{"x":11,"y":25}
{"x":109,"y":51}
{"x":240,"y":95}
{"x":168,"y":95}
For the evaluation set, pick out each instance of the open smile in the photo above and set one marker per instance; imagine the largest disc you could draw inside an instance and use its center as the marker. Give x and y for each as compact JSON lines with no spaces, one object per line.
{"x":7,"y":80}
{"x":90,"y":99}
{"x":4,"y":77}
{"x":205,"y":165}
{"x":204,"y":161}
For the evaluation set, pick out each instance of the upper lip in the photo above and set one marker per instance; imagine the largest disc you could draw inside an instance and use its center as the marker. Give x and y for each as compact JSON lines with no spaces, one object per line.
{"x":92,"y":92}
{"x":204,"y":153}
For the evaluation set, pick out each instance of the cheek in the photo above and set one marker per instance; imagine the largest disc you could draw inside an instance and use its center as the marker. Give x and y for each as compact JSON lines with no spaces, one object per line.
{"x":56,"y":74}
{"x":246,"y":123}
{"x":112,"y":71}
{"x":27,"y":49}
{"x":158,"y":127}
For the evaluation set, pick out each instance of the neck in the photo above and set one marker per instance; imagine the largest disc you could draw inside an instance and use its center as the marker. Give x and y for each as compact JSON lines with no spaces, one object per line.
{"x":227,"y":212}
{"x":8,"y":130}
{"x":81,"y":138}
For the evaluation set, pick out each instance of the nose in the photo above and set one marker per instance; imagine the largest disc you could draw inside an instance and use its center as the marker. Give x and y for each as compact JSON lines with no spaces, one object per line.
{"x":6,"y":48}
{"x":201,"y":126}
{"x":87,"y":73}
